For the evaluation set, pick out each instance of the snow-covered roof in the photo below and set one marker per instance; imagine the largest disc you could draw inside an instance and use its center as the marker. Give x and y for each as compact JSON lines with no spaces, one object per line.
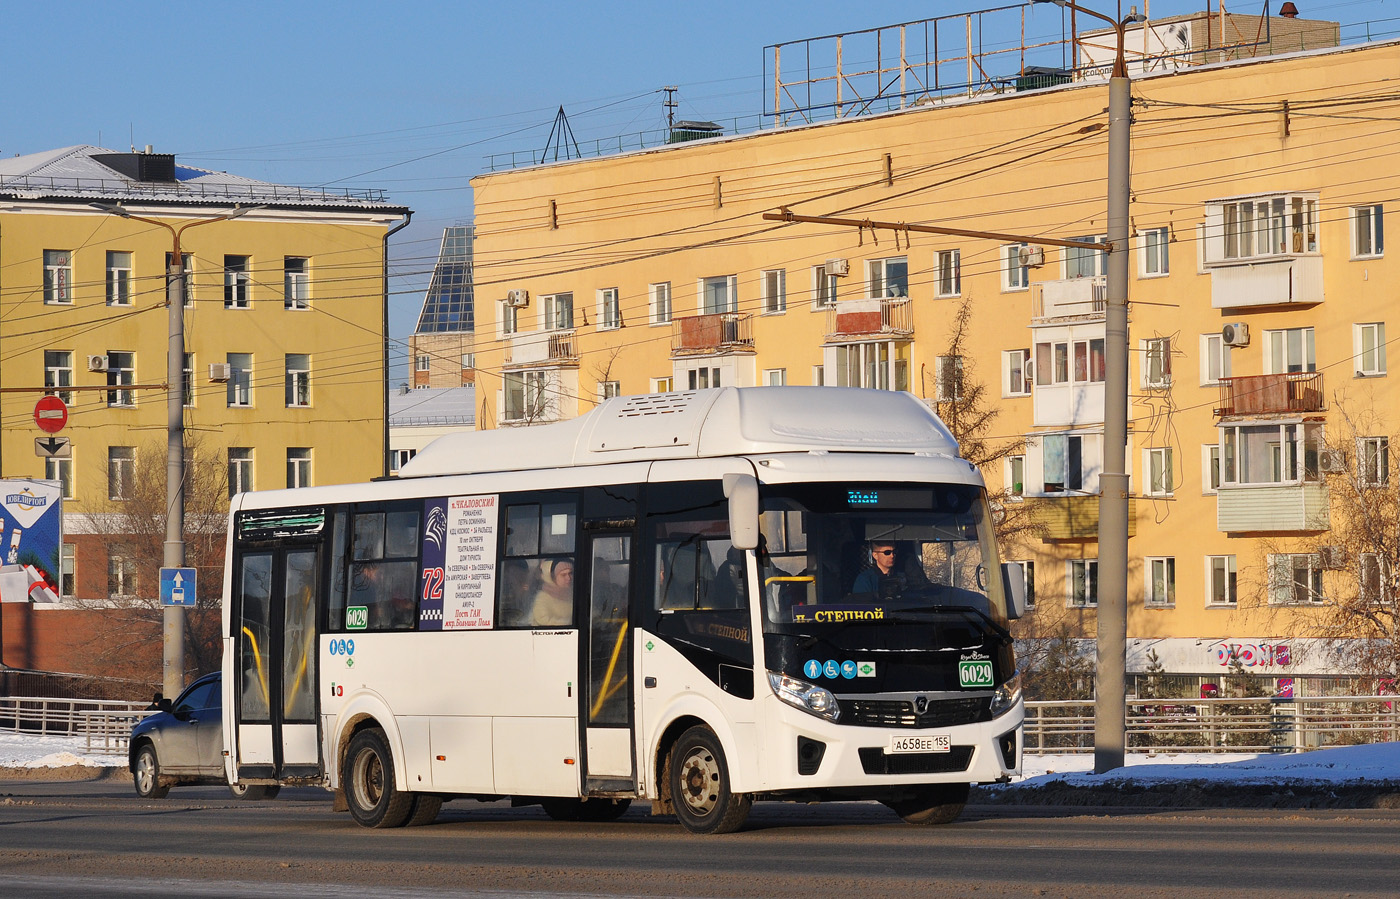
{"x":88,"y":173}
{"x":732,"y":421}
{"x":433,"y":406}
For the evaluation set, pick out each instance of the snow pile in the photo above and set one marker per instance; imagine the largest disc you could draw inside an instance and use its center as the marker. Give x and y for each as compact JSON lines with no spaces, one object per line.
{"x":1343,"y":764}
{"x":18,"y":750}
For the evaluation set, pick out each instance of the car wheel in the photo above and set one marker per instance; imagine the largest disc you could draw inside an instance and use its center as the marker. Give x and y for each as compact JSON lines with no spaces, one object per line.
{"x":940,"y":804}
{"x":370,"y":792}
{"x":146,"y":774}
{"x":700,"y":787}
{"x":253,"y":792}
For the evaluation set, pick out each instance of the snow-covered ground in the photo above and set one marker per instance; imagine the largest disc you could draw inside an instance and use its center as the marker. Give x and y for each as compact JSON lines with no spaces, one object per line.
{"x":1346,"y":764}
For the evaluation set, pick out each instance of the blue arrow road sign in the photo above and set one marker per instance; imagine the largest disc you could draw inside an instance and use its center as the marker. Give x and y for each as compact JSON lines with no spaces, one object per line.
{"x":177,"y":586}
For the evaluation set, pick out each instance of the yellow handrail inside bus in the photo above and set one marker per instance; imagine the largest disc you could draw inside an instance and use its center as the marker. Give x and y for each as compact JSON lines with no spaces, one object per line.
{"x":794,"y":579}
{"x":257,"y":659}
{"x":604,"y":692}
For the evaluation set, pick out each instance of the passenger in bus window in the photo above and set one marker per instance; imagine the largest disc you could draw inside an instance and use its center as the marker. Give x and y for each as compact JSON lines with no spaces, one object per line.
{"x":554,"y":603}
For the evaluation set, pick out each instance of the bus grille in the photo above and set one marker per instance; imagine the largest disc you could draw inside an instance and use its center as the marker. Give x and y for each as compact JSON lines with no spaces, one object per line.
{"x":875,"y":761}
{"x":897,"y":713}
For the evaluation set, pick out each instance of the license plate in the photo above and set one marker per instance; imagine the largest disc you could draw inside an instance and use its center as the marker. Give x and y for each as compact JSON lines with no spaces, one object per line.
{"x":925,"y":743}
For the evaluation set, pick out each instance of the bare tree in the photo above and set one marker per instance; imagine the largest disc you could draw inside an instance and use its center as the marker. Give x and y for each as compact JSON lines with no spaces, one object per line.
{"x":133,"y":530}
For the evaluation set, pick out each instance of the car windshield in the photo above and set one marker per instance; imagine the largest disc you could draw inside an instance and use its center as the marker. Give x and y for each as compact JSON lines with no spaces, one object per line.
{"x":836,"y":555}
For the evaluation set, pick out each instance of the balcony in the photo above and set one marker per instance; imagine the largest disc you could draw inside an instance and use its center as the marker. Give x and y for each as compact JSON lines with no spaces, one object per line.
{"x":1080,"y":299}
{"x":539,"y":348}
{"x":870,"y":317}
{"x":1281,"y":281}
{"x":1291,"y":393}
{"x":1275,"y":508}
{"x":720,"y":332}
{"x":1074,"y":517}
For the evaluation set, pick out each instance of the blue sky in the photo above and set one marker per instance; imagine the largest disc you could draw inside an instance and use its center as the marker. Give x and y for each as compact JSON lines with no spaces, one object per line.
{"x":411,"y":96}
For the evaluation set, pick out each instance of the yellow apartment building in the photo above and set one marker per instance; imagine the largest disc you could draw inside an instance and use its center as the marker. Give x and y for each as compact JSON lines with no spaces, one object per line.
{"x":284,"y":336}
{"x":1260,"y":409}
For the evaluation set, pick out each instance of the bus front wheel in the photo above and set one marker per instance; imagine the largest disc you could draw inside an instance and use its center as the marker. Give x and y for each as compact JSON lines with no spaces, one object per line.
{"x":701,"y":793}
{"x":937,"y":804}
{"x":370,"y":792}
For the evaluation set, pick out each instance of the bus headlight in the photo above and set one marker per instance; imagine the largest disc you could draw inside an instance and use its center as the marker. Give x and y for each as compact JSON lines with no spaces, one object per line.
{"x":809,"y":698}
{"x":1006,"y":695}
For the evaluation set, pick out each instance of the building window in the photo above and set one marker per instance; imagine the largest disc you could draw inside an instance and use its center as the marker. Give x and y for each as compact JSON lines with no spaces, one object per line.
{"x":236,"y":280}
{"x":882,"y":366}
{"x":60,"y":470}
{"x":121,"y":372}
{"x":949,"y":378}
{"x":240,"y":469}
{"x":296,"y":280}
{"x":1158,"y":463}
{"x":67,"y":566}
{"x":1259,"y":227}
{"x":1082,"y":262}
{"x":1270,"y":453}
{"x":187,"y":380}
{"x":1289,"y":350}
{"x":1152,"y":259}
{"x":703,"y":378}
{"x":298,"y":379}
{"x":609,"y":311}
{"x":1215,"y":359}
{"x":186,"y":276}
{"x":1367,"y":232}
{"x":949,"y":273}
{"x":1373,"y":461}
{"x":1294,"y":578}
{"x":1028,"y":578}
{"x":399,"y":458}
{"x":823,"y":287}
{"x":1016,"y":475}
{"x":121,"y":571}
{"x":118,"y":278}
{"x":240,"y":380}
{"x":889,"y":277}
{"x":1210,"y":468}
{"x":1161,"y":581}
{"x":775,"y":377}
{"x":660,"y":302}
{"x":58,"y":277}
{"x":510,"y":319}
{"x":719,"y":294}
{"x":58,"y":372}
{"x":1369,"y":349}
{"x":298,"y":466}
{"x":1015,"y":275}
{"x":609,"y":389}
{"x":524,"y":394}
{"x":774,"y":291}
{"x":469,"y":360}
{"x":1220,"y":581}
{"x":121,"y":471}
{"x":558,"y":311}
{"x":421,"y":362}
{"x":1374,"y":579}
{"x":1157,"y":362}
{"x":1052,"y":362}
{"x":663,"y":385}
{"x":1015,"y":372}
{"x":1083,"y":583}
{"x":1062,"y":462}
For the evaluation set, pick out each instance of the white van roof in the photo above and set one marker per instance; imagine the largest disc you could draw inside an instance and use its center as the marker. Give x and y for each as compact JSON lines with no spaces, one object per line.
{"x":730,"y":421}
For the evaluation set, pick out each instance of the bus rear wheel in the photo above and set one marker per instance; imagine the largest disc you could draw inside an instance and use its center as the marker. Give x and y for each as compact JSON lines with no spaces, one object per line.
{"x":370,"y":792}
{"x":701,"y":793}
{"x":935,"y":804}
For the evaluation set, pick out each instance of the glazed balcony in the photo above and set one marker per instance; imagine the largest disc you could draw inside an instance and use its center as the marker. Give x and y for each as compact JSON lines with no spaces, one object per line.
{"x":870,"y":317}
{"x":1273,"y":508}
{"x":1291,"y":393}
{"x":719,"y":332}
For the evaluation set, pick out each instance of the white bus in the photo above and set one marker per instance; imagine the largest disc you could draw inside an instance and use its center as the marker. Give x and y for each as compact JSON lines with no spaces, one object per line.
{"x":699,"y":599}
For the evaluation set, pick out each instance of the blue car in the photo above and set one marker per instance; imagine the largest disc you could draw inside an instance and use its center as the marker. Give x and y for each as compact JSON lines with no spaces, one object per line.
{"x":183,"y":744}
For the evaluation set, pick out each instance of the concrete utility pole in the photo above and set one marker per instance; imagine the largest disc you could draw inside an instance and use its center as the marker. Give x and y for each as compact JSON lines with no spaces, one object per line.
{"x":1110,"y":718}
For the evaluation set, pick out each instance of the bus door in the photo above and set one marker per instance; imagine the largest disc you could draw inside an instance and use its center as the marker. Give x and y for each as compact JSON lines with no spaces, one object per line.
{"x":274,"y":626}
{"x":609,"y":763}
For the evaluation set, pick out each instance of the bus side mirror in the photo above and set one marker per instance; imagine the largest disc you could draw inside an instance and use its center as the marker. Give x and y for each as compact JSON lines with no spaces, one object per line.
{"x":742,"y":493}
{"x":1013,"y":582}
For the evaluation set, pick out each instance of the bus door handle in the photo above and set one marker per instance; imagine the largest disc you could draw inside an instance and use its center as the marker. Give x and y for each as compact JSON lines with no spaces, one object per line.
{"x":649,"y":682}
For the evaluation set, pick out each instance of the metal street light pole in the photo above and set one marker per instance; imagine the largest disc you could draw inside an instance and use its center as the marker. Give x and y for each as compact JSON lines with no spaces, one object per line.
{"x":173,"y":637}
{"x":1110,"y":720}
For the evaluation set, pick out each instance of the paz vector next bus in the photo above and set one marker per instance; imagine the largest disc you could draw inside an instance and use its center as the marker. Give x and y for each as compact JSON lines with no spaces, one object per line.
{"x":699,"y":599}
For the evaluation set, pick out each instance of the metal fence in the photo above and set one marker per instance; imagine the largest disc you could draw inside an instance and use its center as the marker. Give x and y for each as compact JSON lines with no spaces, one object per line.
{"x":1220,"y":725}
{"x":105,"y":723}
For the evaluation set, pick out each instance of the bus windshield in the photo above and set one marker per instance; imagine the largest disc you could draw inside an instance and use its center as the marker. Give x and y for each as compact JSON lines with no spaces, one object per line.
{"x":844,"y":554}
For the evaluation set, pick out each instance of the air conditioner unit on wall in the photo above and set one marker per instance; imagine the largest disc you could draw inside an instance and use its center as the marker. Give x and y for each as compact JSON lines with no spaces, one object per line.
{"x":220,"y":371}
{"x":1032,"y":257}
{"x":517,"y":298}
{"x":838,"y":266}
{"x":97,"y":363}
{"x":1331,"y":462}
{"x":1235,"y":334}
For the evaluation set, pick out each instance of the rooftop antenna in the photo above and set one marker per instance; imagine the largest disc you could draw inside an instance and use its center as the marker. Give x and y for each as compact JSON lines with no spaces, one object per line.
{"x":670,"y":104}
{"x":558,"y":134}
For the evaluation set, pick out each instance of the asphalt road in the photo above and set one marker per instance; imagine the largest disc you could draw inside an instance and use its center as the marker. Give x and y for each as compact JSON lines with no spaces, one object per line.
{"x":98,"y":838}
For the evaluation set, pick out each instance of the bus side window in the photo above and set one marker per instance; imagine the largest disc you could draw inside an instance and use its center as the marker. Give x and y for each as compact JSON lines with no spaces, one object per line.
{"x":535,"y":586}
{"x":384,"y":568}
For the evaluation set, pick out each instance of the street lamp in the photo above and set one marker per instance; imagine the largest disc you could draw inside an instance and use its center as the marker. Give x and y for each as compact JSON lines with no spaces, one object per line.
{"x":1110,"y":717}
{"x":173,"y":667}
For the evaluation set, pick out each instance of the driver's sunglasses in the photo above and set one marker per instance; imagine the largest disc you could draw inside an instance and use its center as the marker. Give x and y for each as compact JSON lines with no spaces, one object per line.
{"x":884,"y":552}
